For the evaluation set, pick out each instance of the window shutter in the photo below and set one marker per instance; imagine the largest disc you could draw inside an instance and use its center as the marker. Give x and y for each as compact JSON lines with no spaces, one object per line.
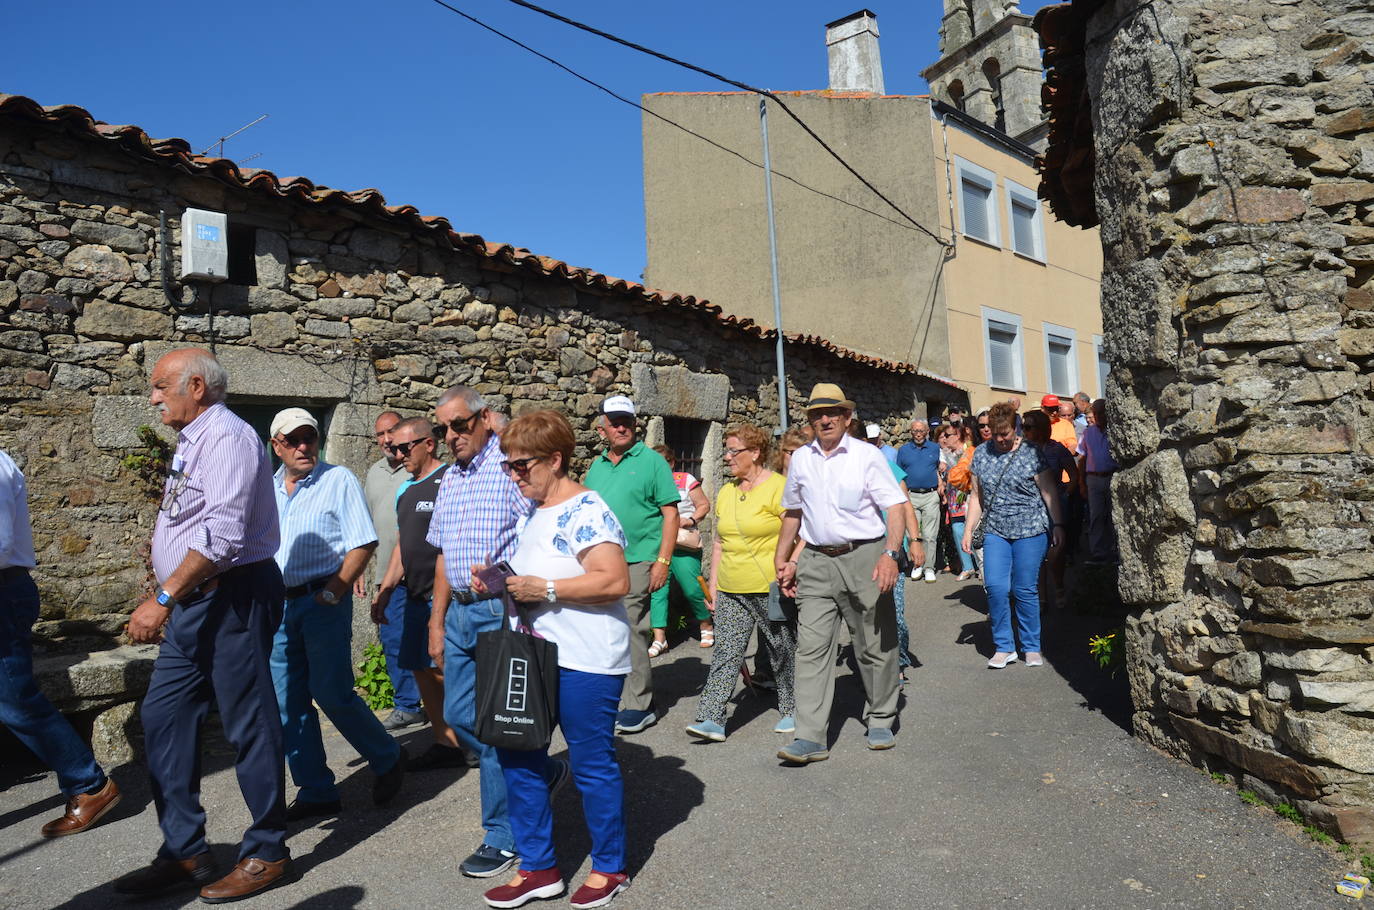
{"x":1023,"y":229}
{"x":1002,"y":354}
{"x":974,"y":200}
{"x":1060,"y":350}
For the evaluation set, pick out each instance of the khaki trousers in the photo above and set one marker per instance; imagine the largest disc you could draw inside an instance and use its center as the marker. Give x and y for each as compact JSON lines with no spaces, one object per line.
{"x":927,"y":507}
{"x":830,"y":588}
{"x":638,"y":694}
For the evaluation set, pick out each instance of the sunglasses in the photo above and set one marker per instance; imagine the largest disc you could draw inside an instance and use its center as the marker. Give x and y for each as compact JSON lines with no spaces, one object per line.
{"x":464,"y":425}
{"x":522,"y":466}
{"x":296,"y":440}
{"x":981,"y":424}
{"x":403,"y":448}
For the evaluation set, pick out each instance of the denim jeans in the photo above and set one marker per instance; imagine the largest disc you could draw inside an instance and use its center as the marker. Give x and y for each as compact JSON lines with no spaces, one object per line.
{"x":462,"y":624}
{"x":311,"y":661}
{"x":24,"y":709}
{"x":390,"y":634}
{"x":956,"y":530}
{"x":903,"y":634}
{"x":586,"y":715}
{"x":1012,"y":567}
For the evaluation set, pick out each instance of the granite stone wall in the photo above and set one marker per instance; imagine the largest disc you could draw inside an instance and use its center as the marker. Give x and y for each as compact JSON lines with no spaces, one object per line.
{"x":1234,"y":165}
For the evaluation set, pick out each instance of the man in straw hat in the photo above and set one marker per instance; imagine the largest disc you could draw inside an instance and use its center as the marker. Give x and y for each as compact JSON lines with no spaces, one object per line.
{"x":837,"y":490}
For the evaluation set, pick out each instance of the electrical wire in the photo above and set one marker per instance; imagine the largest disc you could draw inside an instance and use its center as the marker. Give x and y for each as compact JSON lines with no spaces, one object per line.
{"x":744,"y":86}
{"x":634,"y":104}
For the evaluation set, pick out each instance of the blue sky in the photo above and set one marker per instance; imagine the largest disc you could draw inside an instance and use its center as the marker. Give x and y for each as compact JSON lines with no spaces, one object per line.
{"x":407,"y":97}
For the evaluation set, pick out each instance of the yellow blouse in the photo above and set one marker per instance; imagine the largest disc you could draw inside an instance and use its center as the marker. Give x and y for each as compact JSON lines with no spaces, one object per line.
{"x":748,"y":524}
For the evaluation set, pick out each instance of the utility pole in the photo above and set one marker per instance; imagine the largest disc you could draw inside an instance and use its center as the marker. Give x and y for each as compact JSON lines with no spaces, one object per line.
{"x":773,"y":255}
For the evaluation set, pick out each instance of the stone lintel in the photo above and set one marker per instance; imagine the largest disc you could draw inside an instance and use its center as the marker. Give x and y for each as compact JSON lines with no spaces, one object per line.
{"x":680,"y":392}
{"x":115,"y":420}
{"x":261,"y":374}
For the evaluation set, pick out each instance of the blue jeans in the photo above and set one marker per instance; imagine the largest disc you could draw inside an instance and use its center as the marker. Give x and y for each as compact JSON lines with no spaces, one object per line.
{"x":956,"y":530}
{"x":24,"y":709}
{"x":391,"y":633}
{"x":586,"y":715}
{"x":311,"y":661}
{"x":1012,"y":567}
{"x":903,"y":634}
{"x":462,"y":624}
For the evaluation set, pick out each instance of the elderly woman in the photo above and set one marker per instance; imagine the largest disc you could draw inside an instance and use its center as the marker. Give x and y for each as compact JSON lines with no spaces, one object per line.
{"x":570,"y":576}
{"x":1015,"y":493}
{"x":952,"y":451}
{"x":685,"y":564}
{"x":748,"y":519}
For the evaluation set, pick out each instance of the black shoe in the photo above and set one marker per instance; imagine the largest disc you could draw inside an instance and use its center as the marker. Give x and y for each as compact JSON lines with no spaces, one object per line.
{"x":389,"y":784}
{"x":165,"y":874}
{"x":302,"y":809}
{"x":437,"y":758}
{"x":399,"y":720}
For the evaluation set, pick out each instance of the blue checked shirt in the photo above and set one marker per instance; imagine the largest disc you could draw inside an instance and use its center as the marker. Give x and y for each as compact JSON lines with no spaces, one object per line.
{"x":475,"y":515}
{"x":324,"y":518}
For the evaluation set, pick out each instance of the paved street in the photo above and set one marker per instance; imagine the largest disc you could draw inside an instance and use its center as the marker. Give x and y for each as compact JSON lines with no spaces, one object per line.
{"x":1014,"y":787}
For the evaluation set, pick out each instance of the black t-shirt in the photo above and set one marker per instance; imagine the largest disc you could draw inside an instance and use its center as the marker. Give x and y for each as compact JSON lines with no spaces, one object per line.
{"x":414,"y":509}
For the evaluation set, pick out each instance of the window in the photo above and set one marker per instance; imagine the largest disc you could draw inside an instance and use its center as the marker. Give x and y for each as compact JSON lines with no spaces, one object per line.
{"x":243,"y":254}
{"x":992,"y":71}
{"x":1002,"y":349}
{"x":687,"y":439}
{"x":977,"y":214}
{"x":1027,"y":226}
{"x":1103,"y":367}
{"x":1061,"y":368}
{"x":956,"y":94}
{"x":258,"y":414}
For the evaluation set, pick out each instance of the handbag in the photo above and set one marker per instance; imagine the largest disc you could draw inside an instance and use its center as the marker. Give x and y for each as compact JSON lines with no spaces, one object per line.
{"x":517,"y":687}
{"x":781,"y":608}
{"x":976,"y":541}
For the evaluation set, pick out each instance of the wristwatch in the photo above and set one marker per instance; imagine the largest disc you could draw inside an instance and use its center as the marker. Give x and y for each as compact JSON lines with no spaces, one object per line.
{"x":663,"y":561}
{"x":549,"y":593}
{"x":328,"y":596}
{"x":896,"y":557}
{"x":166,"y":600}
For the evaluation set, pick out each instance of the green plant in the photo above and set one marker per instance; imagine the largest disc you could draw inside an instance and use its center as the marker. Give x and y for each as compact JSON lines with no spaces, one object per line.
{"x":1250,"y":797}
{"x":373,"y":681}
{"x":151,"y":461}
{"x":1108,"y":651}
{"x":1219,"y":777}
{"x":1367,"y":863}
{"x":1287,"y":811}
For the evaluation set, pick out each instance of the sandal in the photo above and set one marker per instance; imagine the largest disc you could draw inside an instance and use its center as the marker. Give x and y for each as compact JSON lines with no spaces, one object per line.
{"x":657,"y":648}
{"x":708,"y":637}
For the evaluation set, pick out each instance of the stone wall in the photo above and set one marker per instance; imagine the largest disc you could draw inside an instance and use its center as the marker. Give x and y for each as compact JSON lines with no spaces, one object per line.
{"x":1234,"y":165}
{"x":353,"y":309}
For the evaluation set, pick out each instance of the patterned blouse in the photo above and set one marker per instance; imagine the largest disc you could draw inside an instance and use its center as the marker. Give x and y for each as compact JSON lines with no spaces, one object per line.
{"x":1011,"y":499}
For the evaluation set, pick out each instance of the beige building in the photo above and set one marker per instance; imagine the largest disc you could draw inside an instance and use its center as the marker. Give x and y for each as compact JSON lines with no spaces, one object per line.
{"x":986,"y":288}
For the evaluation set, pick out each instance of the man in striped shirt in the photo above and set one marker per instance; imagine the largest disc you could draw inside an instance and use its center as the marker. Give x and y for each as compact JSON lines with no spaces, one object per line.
{"x":218,"y":604}
{"x":326,"y":540}
{"x":473,"y":524}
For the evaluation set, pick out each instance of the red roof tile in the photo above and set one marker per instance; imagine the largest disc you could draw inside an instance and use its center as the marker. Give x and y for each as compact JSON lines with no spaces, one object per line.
{"x":1069,"y":162}
{"x":176,"y":153}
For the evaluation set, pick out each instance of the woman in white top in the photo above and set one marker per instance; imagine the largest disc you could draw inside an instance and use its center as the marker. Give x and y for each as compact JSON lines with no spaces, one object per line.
{"x":571,"y":576}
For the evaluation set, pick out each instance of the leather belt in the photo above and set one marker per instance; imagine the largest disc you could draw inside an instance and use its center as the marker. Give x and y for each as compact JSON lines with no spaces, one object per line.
{"x":923,"y":489}
{"x":310,"y":587}
{"x":466,"y":597}
{"x":840,"y":549}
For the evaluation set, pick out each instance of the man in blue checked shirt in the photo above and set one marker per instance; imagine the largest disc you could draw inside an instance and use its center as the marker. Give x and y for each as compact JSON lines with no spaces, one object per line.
{"x":473,"y":524}
{"x":326,"y":541}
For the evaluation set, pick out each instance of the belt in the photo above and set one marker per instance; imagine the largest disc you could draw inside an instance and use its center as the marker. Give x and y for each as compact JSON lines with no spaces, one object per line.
{"x":840,"y":549}
{"x":466,"y":597}
{"x":1101,"y":473}
{"x":310,"y":587}
{"x":14,"y":573}
{"x":923,"y":489}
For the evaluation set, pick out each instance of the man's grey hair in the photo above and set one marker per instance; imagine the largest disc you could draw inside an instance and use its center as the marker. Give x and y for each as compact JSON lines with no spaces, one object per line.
{"x":1083,"y":396}
{"x":920,"y":422}
{"x":499,"y":420}
{"x":469,"y":396}
{"x":204,"y":365}
{"x":418,"y":426}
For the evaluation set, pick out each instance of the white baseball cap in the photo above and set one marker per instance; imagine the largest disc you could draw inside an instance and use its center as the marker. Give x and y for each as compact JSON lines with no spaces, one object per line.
{"x":618,"y":404}
{"x":291,"y":419}
{"x":873,"y":431}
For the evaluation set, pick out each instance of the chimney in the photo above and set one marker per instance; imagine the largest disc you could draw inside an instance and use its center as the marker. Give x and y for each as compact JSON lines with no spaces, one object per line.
{"x":852,"y":44}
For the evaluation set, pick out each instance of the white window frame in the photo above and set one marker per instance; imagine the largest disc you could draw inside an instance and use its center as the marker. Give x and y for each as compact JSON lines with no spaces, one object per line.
{"x":967,"y":170}
{"x":989,"y":314}
{"x":1015,"y":191}
{"x":1047,"y":329}
{"x":1099,"y":358}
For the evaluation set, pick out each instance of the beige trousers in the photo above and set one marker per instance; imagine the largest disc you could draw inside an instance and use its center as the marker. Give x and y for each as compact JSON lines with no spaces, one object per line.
{"x":638,"y":694}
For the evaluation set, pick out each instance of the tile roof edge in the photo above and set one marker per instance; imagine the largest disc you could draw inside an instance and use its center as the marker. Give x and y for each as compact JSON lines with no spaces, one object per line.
{"x":177,"y":153}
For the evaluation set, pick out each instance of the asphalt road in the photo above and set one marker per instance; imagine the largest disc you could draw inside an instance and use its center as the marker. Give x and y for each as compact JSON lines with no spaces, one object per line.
{"x":1017,"y":787}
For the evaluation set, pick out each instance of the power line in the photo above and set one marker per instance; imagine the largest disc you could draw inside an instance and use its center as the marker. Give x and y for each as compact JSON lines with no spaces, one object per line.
{"x":634,"y":104}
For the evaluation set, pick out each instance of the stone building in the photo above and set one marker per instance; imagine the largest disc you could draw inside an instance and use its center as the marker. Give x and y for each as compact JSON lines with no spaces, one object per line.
{"x":1226,"y":153}
{"x":335,"y":301}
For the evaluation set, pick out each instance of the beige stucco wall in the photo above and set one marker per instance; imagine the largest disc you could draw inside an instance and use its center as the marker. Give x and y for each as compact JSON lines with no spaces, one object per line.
{"x":1062,"y":291}
{"x":857,"y":279}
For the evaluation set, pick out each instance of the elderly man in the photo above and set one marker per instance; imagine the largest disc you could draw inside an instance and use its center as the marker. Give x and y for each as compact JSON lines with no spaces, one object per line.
{"x":326,"y":541}
{"x":1082,"y":405}
{"x":1061,"y":430}
{"x":410,"y":569}
{"x":875,"y":436}
{"x":385,"y":477}
{"x":218,"y":603}
{"x":837,"y":490}
{"x":637,"y":484}
{"x":23,"y":708}
{"x":920,"y":459}
{"x":1096,"y":467}
{"x":473,"y":524}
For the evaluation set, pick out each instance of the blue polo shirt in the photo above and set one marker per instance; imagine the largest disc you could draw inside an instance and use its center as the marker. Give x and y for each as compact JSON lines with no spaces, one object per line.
{"x":919,"y":462}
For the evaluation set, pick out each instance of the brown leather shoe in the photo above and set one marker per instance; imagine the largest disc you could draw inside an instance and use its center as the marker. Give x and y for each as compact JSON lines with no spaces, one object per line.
{"x":249,"y":877}
{"x":167,"y":873}
{"x":84,"y":810}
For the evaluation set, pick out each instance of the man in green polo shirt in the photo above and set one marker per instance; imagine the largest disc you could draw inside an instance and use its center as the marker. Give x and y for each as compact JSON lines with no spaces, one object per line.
{"x":638,"y":485}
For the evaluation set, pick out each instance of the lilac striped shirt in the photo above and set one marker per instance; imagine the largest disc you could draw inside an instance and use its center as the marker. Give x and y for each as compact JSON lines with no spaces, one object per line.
{"x":475,"y":515}
{"x":218,"y":499}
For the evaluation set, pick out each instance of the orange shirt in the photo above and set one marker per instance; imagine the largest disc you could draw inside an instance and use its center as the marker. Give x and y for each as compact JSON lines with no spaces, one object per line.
{"x":1061,"y":431}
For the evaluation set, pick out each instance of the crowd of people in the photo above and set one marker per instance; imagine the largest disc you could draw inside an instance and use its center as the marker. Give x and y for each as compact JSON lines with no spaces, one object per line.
{"x":257,"y":572}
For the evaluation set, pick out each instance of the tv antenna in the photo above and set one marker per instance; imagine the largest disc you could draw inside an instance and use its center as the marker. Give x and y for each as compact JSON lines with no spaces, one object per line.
{"x":222,"y":139}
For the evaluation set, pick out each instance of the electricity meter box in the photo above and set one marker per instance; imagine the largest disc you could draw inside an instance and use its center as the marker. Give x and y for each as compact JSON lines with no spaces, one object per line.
{"x":204,"y":245}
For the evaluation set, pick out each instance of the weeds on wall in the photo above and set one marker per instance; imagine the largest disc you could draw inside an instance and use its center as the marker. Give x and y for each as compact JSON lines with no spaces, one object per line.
{"x":1109,"y":651}
{"x":372,"y":681}
{"x":151,"y":461}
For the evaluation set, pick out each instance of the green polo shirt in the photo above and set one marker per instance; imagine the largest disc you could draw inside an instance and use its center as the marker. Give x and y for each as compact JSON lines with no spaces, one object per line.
{"x":636,"y":489}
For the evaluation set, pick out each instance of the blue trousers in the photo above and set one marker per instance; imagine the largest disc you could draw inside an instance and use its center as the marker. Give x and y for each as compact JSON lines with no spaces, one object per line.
{"x":903,"y":633}
{"x":23,"y":708}
{"x":311,"y":665}
{"x":1012,"y":568}
{"x":220,"y":642}
{"x":586,"y":715}
{"x":390,"y":634}
{"x":462,"y":624}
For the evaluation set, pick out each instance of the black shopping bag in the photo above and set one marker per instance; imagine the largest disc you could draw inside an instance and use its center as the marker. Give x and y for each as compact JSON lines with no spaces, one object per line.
{"x":517,"y":690}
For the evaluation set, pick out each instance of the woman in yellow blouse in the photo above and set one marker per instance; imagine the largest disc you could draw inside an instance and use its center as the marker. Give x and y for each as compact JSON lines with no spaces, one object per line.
{"x":748,"y":519}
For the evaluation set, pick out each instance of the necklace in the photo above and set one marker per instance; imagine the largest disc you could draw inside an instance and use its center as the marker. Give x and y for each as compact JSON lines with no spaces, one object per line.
{"x":752,"y":481}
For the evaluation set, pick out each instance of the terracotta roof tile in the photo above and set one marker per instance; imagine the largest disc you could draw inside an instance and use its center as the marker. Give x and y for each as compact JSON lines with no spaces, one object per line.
{"x":1069,"y":162}
{"x":176,"y":153}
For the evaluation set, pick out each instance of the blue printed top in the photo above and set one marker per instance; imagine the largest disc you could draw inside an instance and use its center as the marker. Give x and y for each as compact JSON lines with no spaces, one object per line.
{"x":1011,"y":498}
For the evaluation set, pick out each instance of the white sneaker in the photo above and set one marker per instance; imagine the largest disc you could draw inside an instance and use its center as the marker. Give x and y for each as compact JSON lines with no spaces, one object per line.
{"x":1033,"y":659}
{"x":930,"y":575}
{"x":1000,"y":660}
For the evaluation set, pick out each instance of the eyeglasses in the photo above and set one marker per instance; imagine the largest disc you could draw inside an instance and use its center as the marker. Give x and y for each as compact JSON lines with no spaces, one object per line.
{"x":982,"y":424}
{"x":731,"y":453}
{"x":522,"y":466}
{"x":171,"y":496}
{"x":295,"y":441}
{"x":464,"y":425}
{"x":403,"y":448}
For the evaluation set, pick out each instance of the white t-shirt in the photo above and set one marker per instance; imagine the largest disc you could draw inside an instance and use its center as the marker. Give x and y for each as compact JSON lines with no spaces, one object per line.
{"x":590,"y":638}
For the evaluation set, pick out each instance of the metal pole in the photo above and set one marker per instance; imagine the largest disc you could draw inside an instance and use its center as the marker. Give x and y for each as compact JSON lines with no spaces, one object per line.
{"x":773,"y":255}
